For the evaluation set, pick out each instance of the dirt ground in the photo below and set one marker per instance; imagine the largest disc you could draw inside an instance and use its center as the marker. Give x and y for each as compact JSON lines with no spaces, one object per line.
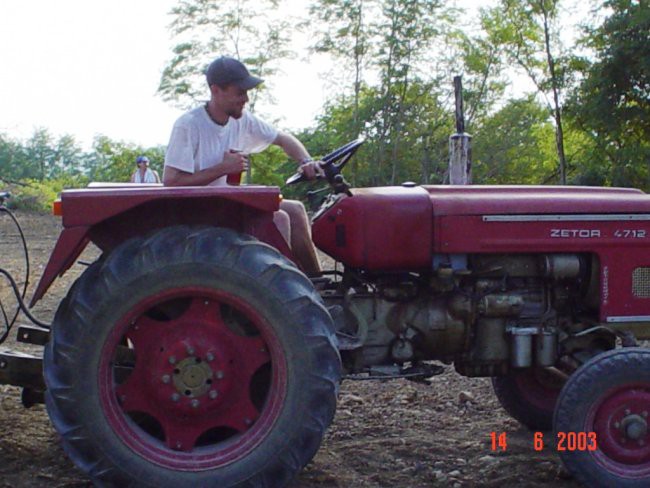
{"x":385,"y":434}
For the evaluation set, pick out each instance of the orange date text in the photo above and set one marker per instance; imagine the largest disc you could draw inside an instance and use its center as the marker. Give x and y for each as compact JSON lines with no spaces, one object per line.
{"x":562,"y":441}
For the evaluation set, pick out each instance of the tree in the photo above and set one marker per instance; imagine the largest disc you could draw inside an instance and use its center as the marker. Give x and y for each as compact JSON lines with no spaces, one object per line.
{"x":480,"y":60}
{"x":39,"y":154}
{"x":528,"y":32}
{"x":67,"y":157}
{"x":612,"y":104}
{"x":343,"y":31}
{"x":405,"y":33}
{"x":249,"y":30}
{"x":515,"y":145}
{"x":11,"y":160}
{"x":115,"y":160}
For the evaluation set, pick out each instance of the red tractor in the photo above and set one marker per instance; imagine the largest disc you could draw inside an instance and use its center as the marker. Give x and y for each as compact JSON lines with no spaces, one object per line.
{"x":194,"y":351}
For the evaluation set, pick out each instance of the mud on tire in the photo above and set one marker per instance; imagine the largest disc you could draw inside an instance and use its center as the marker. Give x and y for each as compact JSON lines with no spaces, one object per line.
{"x":195,"y":357}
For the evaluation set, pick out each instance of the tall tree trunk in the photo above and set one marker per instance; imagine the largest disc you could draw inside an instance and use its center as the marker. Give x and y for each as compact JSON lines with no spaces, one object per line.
{"x":358,"y":63}
{"x":557,"y":110}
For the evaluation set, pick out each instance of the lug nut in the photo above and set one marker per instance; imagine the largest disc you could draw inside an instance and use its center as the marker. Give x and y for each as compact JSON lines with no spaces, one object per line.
{"x":248,"y":421}
{"x":195,"y":403}
{"x":172,"y":360}
{"x":175,"y":397}
{"x":209,"y":356}
{"x":627,"y":411}
{"x":213,"y":394}
{"x":220,"y":375}
{"x":190,"y":350}
{"x":166,"y":378}
{"x":617,"y":425}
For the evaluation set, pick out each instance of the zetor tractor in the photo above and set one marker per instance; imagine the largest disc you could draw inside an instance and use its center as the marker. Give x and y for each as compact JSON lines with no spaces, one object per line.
{"x":194,"y":351}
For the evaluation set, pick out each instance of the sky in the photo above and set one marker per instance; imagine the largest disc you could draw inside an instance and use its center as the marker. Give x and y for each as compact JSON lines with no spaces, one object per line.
{"x":88,"y":67}
{"x":84,"y":67}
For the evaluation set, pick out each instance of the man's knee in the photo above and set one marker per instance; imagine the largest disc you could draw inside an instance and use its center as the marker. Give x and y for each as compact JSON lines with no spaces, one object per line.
{"x":283,"y":223}
{"x":297,"y":213}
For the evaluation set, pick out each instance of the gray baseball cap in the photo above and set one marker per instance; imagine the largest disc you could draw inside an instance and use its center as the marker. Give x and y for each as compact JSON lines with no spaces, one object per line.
{"x":225,"y":71}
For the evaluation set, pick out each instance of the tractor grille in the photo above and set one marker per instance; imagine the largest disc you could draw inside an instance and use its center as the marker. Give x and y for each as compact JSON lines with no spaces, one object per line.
{"x":641,"y":282}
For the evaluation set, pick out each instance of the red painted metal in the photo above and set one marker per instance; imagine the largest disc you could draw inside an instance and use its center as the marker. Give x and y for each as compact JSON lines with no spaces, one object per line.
{"x":460,"y":226}
{"x":513,"y":200}
{"x":70,"y":244}
{"x":196,"y":349}
{"x":378,"y":229}
{"x":390,"y":229}
{"x":90,"y":206}
{"x":109,"y":216}
{"x":617,"y":452}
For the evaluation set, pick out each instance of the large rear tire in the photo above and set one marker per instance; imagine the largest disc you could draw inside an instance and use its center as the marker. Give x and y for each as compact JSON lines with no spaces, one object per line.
{"x":529,"y":396}
{"x":196,"y":357}
{"x":604,"y":409}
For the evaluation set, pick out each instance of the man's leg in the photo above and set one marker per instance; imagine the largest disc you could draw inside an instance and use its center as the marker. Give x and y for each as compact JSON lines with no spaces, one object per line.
{"x":282,"y":222}
{"x":300,"y":236}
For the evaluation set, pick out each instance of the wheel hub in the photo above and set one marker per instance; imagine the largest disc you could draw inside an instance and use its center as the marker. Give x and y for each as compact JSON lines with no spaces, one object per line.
{"x":191,"y":378}
{"x":634,"y":427}
{"x":621,"y":426}
{"x":198,"y":375}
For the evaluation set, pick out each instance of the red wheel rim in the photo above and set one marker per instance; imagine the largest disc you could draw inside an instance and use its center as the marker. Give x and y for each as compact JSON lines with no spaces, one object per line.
{"x":538,"y":388}
{"x":192,"y":379}
{"x":620,"y":423}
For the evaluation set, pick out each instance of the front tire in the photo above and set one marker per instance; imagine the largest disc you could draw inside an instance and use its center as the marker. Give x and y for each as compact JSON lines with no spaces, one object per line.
{"x":196,"y":357}
{"x":607,"y":403}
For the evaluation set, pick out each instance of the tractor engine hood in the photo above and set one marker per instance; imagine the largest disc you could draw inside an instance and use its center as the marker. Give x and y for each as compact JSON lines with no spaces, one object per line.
{"x":387,"y":228}
{"x":513,"y":200}
{"x":400,"y":228}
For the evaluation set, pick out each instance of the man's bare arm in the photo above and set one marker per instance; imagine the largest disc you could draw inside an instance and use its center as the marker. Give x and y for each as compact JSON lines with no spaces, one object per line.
{"x":176,"y":177}
{"x":296,"y":150}
{"x":292,"y":146}
{"x":232,"y":163}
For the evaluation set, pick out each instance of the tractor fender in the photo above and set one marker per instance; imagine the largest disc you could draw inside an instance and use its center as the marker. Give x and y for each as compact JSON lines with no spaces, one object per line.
{"x":107,"y":216}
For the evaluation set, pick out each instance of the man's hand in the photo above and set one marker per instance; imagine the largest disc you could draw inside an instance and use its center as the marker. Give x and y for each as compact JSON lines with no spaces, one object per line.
{"x":312,"y":169}
{"x":234,"y":161}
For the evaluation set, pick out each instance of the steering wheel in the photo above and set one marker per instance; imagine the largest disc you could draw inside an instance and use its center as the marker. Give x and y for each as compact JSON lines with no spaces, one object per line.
{"x":332,"y":164}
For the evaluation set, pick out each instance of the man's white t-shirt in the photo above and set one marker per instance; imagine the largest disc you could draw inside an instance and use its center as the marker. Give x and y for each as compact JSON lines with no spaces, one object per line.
{"x":197,"y":142}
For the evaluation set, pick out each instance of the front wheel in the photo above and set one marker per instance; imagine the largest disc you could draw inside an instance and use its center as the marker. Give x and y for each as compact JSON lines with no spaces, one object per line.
{"x":601,"y":420}
{"x":196,"y":357}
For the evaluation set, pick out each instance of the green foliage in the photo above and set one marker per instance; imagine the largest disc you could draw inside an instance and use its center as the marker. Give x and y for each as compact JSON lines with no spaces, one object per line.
{"x":515,"y":145}
{"x":269,"y":168}
{"x":115,"y":160}
{"x":249,"y":30}
{"x":38,"y":196}
{"x":611,"y":107}
{"x":528,"y":32}
{"x":397,"y":59}
{"x":38,"y":169}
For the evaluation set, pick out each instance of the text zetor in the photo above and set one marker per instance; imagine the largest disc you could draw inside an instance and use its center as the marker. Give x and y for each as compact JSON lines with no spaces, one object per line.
{"x":194,"y":351}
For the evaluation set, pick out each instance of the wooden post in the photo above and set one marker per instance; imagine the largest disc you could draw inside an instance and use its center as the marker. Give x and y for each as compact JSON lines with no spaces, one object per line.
{"x":460,"y":144}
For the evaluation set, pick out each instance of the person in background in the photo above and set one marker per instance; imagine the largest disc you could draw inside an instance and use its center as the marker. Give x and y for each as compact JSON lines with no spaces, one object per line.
{"x":213,"y":141}
{"x":143,"y":173}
